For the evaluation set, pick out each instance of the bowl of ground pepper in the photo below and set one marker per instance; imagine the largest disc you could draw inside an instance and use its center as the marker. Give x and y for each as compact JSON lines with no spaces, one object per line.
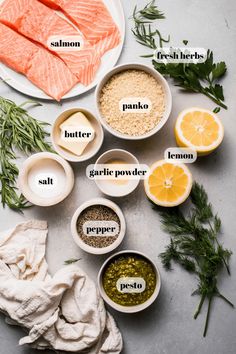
{"x":129,"y":281}
{"x":98,"y":226}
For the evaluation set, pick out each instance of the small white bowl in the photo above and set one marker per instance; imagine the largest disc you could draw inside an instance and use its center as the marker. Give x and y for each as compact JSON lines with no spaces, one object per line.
{"x":157,"y":76}
{"x":112,"y":189}
{"x":81,"y":243}
{"x":128,"y":309}
{"x":91,"y":149}
{"x":29,"y":193}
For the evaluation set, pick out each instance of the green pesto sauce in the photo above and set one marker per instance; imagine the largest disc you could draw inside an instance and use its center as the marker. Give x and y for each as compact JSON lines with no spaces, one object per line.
{"x":129,"y":266}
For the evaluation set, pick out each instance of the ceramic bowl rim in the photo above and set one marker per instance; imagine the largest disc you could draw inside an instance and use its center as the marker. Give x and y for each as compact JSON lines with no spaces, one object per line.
{"x":67,"y":155}
{"x":157,"y":76}
{"x":23,"y":179}
{"x":134,"y":185}
{"x":83,"y":245}
{"x":129,"y":309}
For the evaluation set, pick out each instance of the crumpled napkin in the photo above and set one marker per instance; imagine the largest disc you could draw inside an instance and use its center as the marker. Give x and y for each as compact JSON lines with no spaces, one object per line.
{"x":64,"y":312}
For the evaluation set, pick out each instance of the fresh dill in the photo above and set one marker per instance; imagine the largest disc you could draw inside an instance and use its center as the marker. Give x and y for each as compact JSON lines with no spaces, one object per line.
{"x":194,"y":245}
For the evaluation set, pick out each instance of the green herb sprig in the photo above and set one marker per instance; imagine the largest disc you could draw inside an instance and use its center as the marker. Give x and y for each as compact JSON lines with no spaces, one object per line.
{"x":194,"y":245}
{"x":200,"y":77}
{"x":151,"y":12}
{"x":143,"y":31}
{"x":216,"y":110}
{"x":71,"y":261}
{"x":18,"y":130}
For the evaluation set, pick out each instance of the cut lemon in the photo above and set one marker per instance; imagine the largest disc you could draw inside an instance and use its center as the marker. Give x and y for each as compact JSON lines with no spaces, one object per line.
{"x":168,"y":184}
{"x":199,"y":129}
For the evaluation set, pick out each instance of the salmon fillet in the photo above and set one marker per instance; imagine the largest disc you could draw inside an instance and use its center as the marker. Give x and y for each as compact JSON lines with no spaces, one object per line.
{"x":43,"y":69}
{"x":93,"y":20}
{"x":107,"y":43}
{"x":38,"y":22}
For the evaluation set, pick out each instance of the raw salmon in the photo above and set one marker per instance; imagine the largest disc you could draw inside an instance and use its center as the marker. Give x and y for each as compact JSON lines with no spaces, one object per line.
{"x":93,"y":20}
{"x":45,"y":70}
{"x":107,"y":43}
{"x":38,"y":22}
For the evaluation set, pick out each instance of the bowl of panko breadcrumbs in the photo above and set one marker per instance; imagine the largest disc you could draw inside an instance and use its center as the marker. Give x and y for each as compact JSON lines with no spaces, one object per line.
{"x":133,"y":101}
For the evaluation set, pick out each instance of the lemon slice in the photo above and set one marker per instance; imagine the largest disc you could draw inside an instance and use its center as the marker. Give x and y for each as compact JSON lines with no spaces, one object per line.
{"x":168,"y":184}
{"x":199,"y":129}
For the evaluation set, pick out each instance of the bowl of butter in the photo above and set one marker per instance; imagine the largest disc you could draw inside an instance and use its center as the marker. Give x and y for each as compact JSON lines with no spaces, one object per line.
{"x":77,"y":135}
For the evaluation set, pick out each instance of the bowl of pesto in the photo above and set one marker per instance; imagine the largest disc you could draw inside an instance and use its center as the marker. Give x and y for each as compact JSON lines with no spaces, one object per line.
{"x":129,"y":281}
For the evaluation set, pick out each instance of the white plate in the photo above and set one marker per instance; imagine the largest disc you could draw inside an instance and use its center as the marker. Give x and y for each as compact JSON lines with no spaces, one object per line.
{"x":22,"y":84}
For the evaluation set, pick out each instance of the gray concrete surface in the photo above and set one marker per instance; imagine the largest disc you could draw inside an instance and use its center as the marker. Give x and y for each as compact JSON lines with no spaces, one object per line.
{"x":167,"y":327}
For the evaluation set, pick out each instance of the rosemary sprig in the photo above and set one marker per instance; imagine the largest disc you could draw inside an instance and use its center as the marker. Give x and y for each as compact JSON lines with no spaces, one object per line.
{"x":194,"y":245}
{"x":150,"y":12}
{"x":201,"y":77}
{"x":143,"y":31}
{"x":18,"y":130}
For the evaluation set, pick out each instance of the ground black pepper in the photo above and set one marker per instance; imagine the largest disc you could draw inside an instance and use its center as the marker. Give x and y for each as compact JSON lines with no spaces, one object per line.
{"x":97,"y":213}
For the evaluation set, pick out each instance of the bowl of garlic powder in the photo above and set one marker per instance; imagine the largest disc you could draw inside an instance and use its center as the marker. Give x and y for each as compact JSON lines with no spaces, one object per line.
{"x":133,"y":101}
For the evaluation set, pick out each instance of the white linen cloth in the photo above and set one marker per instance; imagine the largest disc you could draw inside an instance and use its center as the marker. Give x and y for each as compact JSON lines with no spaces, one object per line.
{"x":64,"y":312}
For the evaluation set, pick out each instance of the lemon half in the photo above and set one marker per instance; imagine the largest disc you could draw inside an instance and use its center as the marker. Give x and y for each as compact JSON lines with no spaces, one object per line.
{"x":199,"y":129}
{"x":168,"y":184}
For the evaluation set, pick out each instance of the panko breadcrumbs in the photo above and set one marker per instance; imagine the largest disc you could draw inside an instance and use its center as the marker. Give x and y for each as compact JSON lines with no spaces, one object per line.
{"x":126,"y":84}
